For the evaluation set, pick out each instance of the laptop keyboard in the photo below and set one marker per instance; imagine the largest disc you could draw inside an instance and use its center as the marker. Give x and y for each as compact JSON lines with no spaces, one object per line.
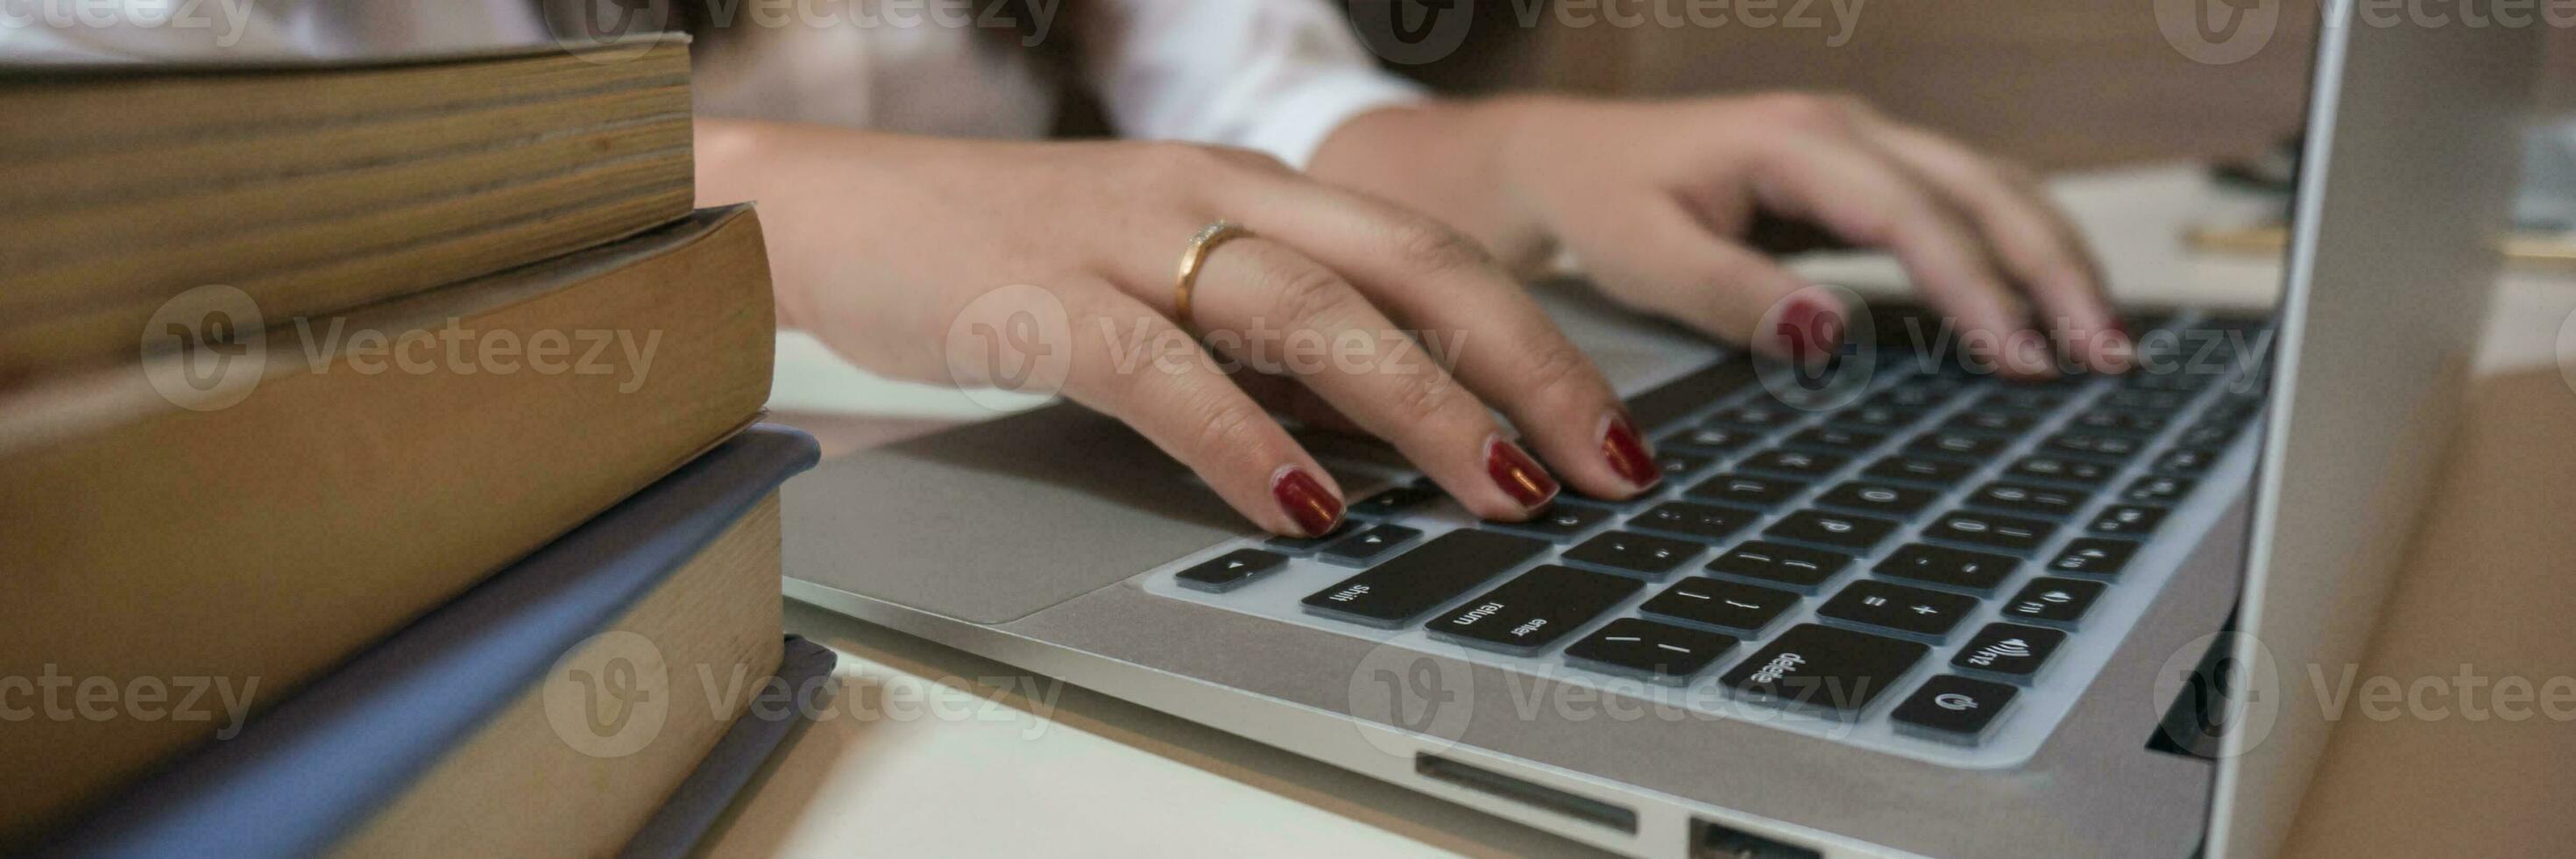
{"x":1896,"y":571}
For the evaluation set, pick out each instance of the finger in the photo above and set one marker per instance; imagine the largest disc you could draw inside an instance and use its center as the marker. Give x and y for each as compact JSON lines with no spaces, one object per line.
{"x":1868,"y":201}
{"x":1173,"y":394}
{"x":1472,"y":315}
{"x":2037,"y":246}
{"x":1668,"y":263}
{"x":1283,"y":396}
{"x":1272,"y":308}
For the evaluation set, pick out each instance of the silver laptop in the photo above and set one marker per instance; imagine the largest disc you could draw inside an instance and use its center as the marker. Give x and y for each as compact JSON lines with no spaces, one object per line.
{"x":1896,"y":609}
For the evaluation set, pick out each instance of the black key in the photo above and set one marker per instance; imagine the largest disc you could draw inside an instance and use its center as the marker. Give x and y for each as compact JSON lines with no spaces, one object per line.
{"x":1561,"y":523}
{"x":2023,"y":399}
{"x":1693,"y":521}
{"x":2094,"y":444}
{"x":1535,"y":610}
{"x":1677,"y":465}
{"x":1709,"y":439}
{"x":1749,"y":490}
{"x":1929,"y":472}
{"x":1394,"y":502}
{"x":1231,"y":570}
{"x":1857,"y":533}
{"x":1994,"y":422}
{"x":1797,"y":566}
{"x":1641,"y":555}
{"x":1660,"y":652}
{"x":1879,"y":417}
{"x":2009,"y":649}
{"x":1735,"y":606}
{"x":1794,"y":463}
{"x":2189,"y":461}
{"x":2033,"y":500}
{"x":1956,"y":445}
{"x":1953,"y":708}
{"x":2093,"y":556}
{"x":2129,"y":519}
{"x":2120,"y":421}
{"x":2159,"y":490}
{"x":2061,"y":470}
{"x":1836,"y":439}
{"x":2011,"y":534}
{"x":2056,"y":602}
{"x":1367,"y":547}
{"x":1308,"y":545}
{"x":1820,"y":668}
{"x":1913,"y":611}
{"x":1760,"y":417}
{"x":1668,"y":402}
{"x":1911,"y":397}
{"x":2183,"y":381}
{"x":2207,"y":434}
{"x":2161,"y":401}
{"x":1881,"y":498}
{"x":1419,"y":580}
{"x":1950,"y":568}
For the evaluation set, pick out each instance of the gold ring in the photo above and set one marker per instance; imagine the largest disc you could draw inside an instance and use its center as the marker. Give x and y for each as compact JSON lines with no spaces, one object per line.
{"x":1200,"y":246}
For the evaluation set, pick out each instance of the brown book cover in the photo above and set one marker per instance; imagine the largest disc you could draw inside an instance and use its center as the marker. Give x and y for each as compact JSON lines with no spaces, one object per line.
{"x":317,"y":186}
{"x":275,"y":490}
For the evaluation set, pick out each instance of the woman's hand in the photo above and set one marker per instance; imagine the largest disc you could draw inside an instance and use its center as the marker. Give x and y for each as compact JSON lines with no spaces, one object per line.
{"x":879,"y":244}
{"x":1657,"y":201}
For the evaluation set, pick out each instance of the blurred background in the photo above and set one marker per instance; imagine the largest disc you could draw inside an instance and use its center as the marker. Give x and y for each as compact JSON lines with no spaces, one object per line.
{"x":2053,"y":83}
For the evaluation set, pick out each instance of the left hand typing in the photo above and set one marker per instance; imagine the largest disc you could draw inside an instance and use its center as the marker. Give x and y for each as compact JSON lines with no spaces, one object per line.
{"x":1660,"y":200}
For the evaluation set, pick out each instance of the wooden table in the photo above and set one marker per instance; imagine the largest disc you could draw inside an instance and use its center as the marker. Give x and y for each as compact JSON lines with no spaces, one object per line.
{"x":934,"y":751}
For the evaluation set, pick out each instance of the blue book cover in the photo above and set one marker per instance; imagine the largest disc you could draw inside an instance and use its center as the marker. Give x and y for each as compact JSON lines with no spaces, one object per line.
{"x":301,"y":776}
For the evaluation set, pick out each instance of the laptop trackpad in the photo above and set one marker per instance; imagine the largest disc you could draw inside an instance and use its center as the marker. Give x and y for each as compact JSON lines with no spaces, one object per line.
{"x":991,"y":522}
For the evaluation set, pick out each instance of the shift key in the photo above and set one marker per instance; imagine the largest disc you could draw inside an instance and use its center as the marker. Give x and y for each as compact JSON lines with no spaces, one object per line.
{"x":1533,"y":611}
{"x":1435,"y":572}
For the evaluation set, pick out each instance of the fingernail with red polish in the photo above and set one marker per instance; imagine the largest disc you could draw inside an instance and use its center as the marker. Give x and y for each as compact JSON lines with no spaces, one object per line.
{"x":1627,"y":452}
{"x":1305,"y":500}
{"x":1518,"y":474}
{"x":1810,"y":330}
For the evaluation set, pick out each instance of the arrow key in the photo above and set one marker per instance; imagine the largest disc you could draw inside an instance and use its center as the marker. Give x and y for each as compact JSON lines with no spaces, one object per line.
{"x":1231,"y":570}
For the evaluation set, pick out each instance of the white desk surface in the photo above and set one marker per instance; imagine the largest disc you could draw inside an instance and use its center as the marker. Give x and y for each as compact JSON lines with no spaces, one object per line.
{"x":932,"y":751}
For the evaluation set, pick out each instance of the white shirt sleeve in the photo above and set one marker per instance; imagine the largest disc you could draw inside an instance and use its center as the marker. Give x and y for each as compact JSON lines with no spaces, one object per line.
{"x":1273,"y":75}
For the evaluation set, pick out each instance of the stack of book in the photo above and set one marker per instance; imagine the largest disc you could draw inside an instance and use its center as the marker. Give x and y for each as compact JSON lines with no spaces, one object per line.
{"x":374,"y":474}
